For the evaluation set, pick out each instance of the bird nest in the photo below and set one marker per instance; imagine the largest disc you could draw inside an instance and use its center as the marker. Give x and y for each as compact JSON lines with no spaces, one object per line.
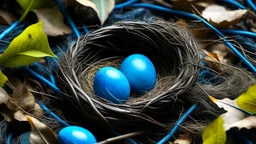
{"x":171,"y":48}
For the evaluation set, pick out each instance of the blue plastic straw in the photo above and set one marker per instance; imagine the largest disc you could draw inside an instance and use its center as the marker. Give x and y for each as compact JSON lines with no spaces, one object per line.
{"x":44,"y":80}
{"x":234,"y":3}
{"x":125,"y":4}
{"x":190,"y":15}
{"x":251,"y":4}
{"x":8,"y":30}
{"x":68,"y":18}
{"x":53,"y":115}
{"x":239,"y":32}
{"x":175,"y":128}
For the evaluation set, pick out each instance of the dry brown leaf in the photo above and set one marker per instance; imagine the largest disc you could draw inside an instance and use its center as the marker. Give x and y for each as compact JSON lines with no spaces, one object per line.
{"x":37,"y":111}
{"x":53,"y":21}
{"x":24,"y":97}
{"x":40,"y":133}
{"x":6,"y":17}
{"x":219,"y":17}
{"x":183,"y":139}
{"x":199,"y":31}
{"x":3,"y":96}
{"x":20,"y":116}
{"x":12,"y":104}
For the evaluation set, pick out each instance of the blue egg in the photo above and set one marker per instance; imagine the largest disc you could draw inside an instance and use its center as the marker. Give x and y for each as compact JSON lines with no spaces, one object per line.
{"x":140,"y":72}
{"x":111,"y":84}
{"x":76,"y":135}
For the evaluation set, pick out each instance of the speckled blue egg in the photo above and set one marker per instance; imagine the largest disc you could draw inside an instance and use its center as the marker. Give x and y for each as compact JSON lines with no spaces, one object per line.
{"x":111,"y":84}
{"x":140,"y":72}
{"x":77,"y":135}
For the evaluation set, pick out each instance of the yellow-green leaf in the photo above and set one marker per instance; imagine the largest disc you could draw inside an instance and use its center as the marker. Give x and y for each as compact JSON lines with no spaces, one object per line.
{"x":215,"y":133}
{"x":3,"y":79}
{"x":36,"y":4}
{"x":30,"y":46}
{"x":247,"y":100}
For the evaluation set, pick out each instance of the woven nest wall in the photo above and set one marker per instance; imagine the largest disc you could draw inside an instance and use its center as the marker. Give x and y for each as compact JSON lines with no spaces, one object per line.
{"x":173,"y":51}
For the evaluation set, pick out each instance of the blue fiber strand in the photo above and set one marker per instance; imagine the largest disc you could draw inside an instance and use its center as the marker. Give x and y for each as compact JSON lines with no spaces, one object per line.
{"x":251,"y":4}
{"x":9,"y":138}
{"x":68,"y":18}
{"x":52,"y":79}
{"x":125,"y":4}
{"x":53,"y":115}
{"x":8,"y":30}
{"x":86,"y":30}
{"x":234,"y":3}
{"x":189,"y":15}
{"x":175,"y":128}
{"x":44,"y":80}
{"x":239,"y":32}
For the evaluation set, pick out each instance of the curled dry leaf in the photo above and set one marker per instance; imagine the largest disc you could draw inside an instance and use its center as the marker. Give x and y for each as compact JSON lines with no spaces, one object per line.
{"x":41,"y":133}
{"x":3,"y":96}
{"x":24,"y":97}
{"x":20,"y":116}
{"x":222,"y":18}
{"x":37,"y":111}
{"x":53,"y":21}
{"x":6,"y":17}
{"x":183,"y":139}
{"x":218,"y":52}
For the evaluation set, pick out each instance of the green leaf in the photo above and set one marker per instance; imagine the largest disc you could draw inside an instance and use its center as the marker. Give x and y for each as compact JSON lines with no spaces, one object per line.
{"x":3,"y":79}
{"x":215,"y":133}
{"x":30,"y":46}
{"x":247,"y":100}
{"x":36,"y":4}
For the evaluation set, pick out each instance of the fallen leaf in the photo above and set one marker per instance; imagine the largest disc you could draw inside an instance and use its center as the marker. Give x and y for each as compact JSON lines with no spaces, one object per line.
{"x":102,"y":7}
{"x":248,"y":123}
{"x":12,"y":104}
{"x":24,"y":97}
{"x":219,"y":17}
{"x":20,"y":116}
{"x":183,"y":139}
{"x":53,"y":21}
{"x":40,"y":133}
{"x":37,"y":111}
{"x":3,"y":79}
{"x":4,"y":97}
{"x":30,"y":46}
{"x":214,"y":133}
{"x":233,"y":114}
{"x":247,"y":100}
{"x":6,"y":17}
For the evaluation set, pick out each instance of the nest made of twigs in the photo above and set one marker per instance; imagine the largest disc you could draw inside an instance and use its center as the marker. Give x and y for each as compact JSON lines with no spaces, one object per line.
{"x":171,"y":48}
